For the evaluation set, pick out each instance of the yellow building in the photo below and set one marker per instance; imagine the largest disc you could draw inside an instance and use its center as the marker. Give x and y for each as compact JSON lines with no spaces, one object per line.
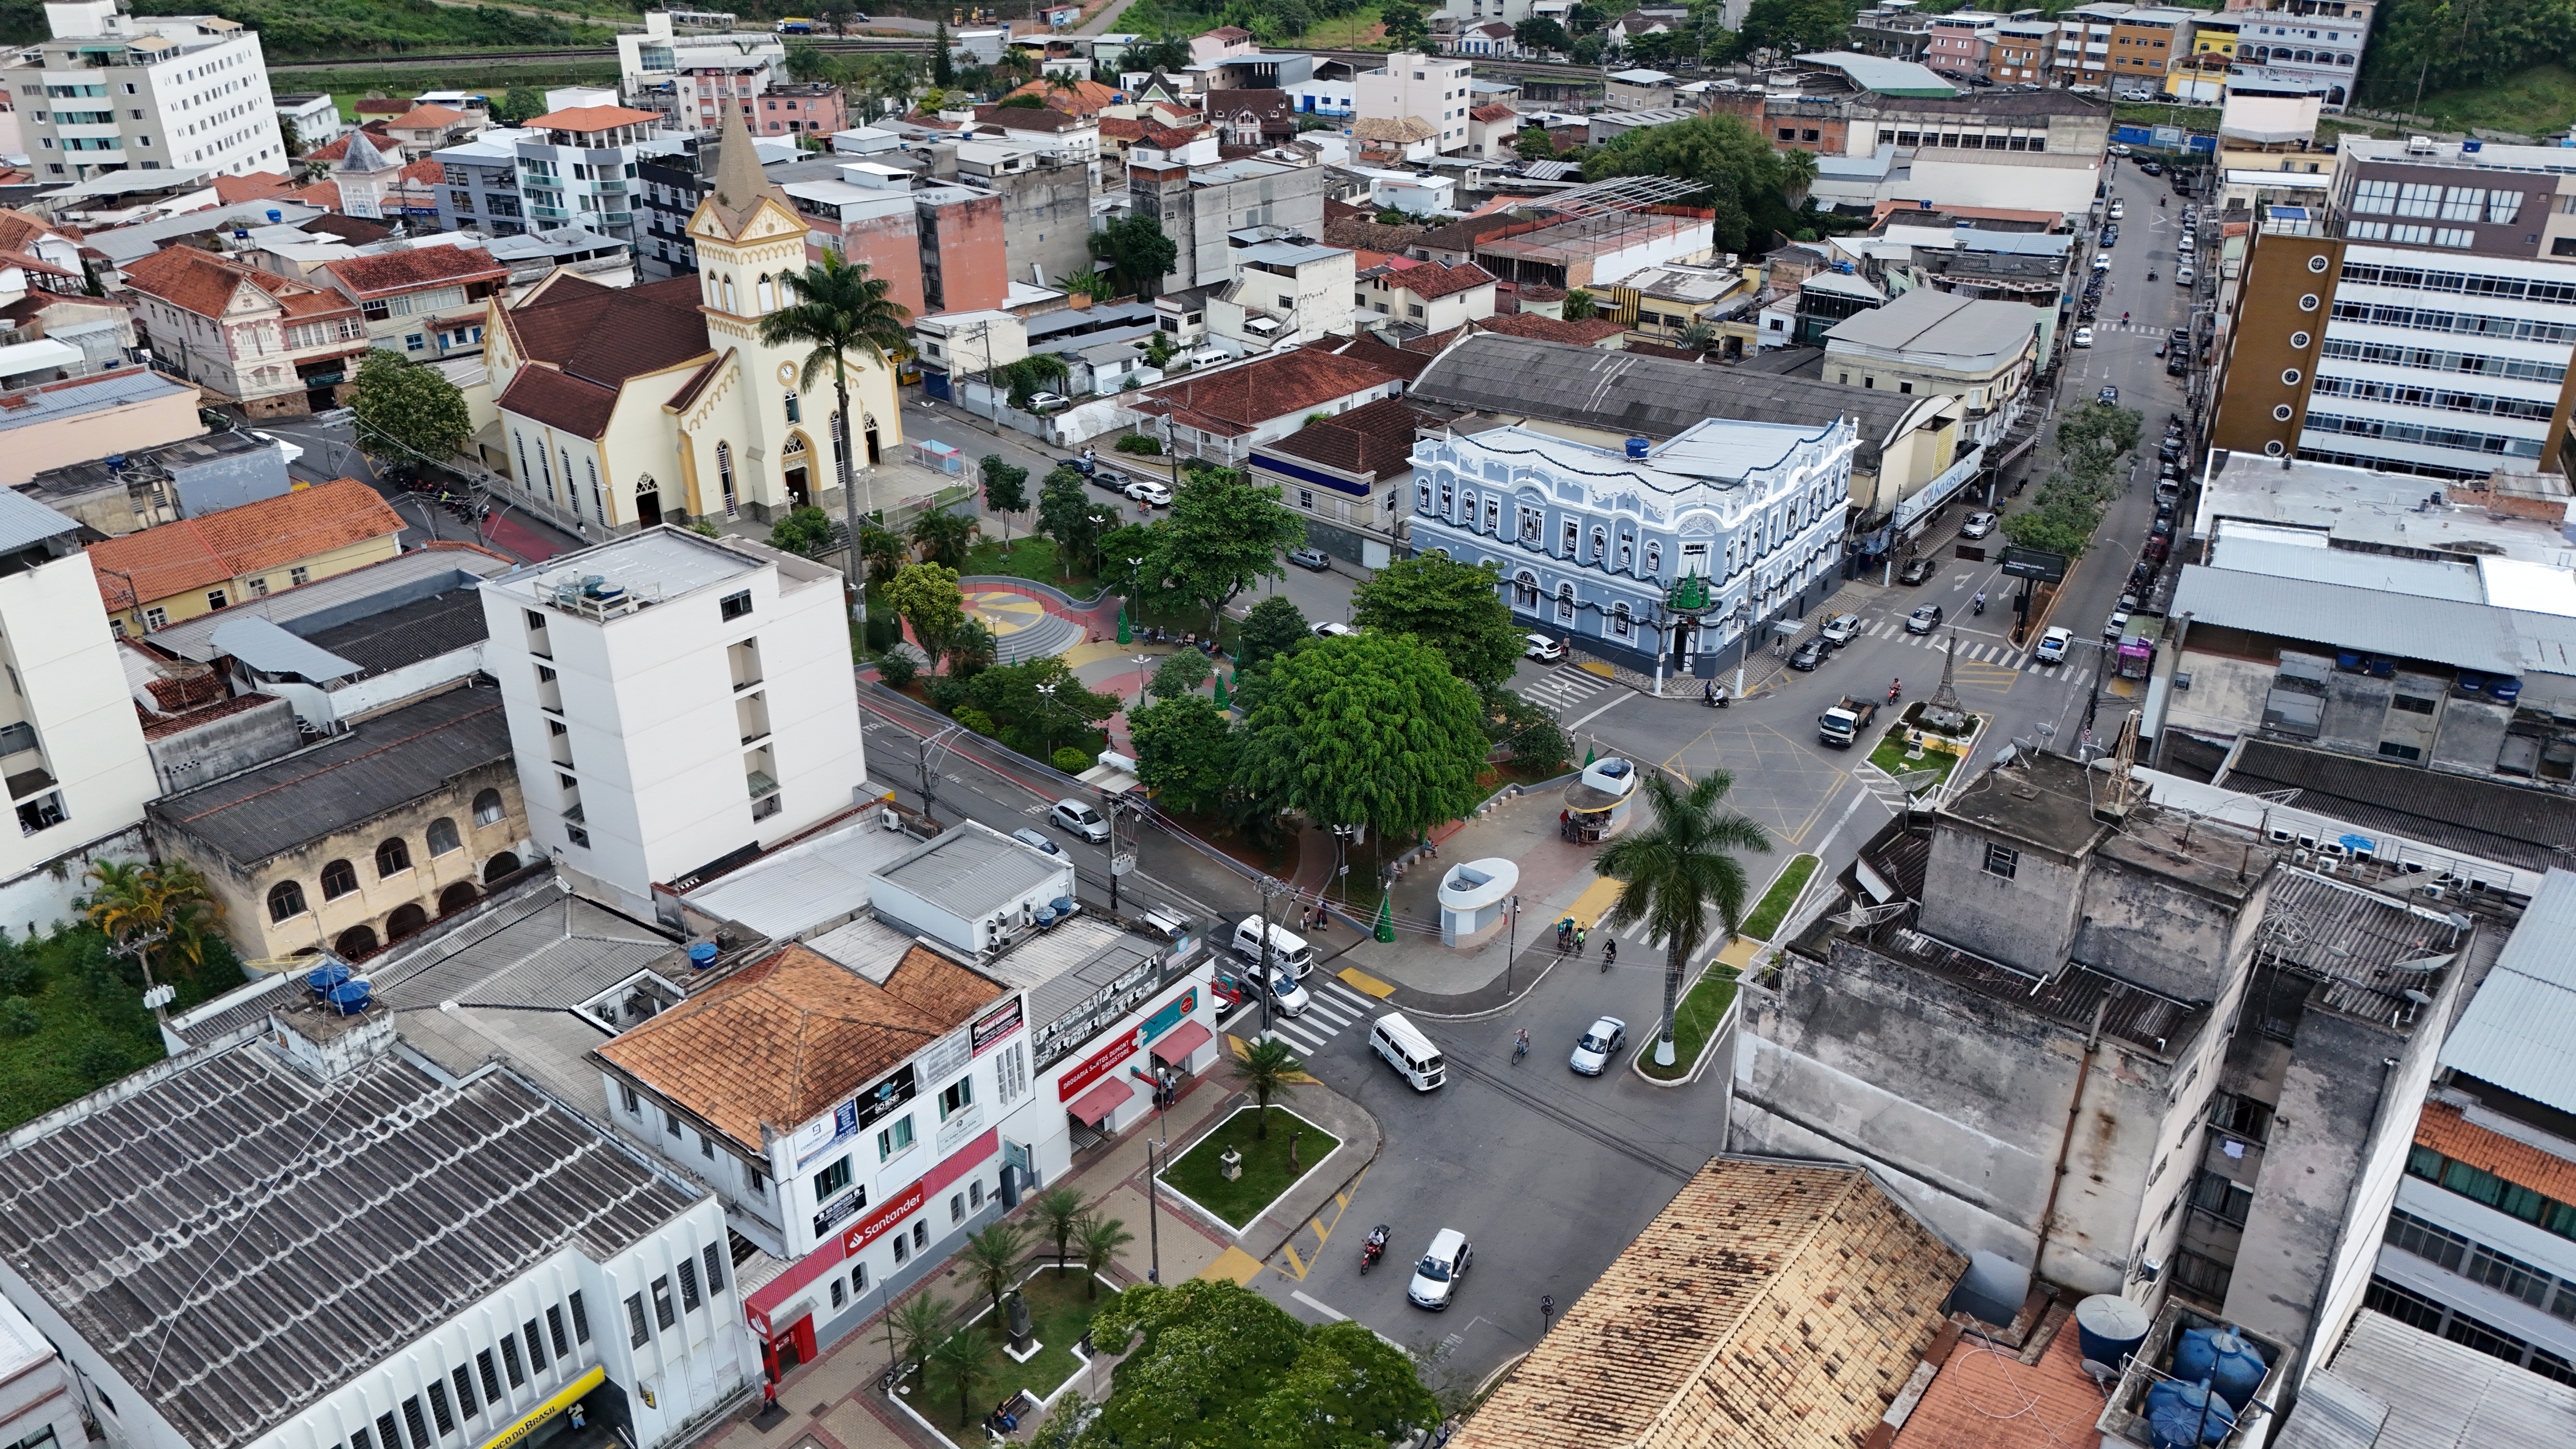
{"x":155,"y":578}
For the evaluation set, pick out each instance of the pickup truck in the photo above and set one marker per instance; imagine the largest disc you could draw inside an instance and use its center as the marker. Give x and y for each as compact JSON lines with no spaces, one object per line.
{"x":1843,"y":723}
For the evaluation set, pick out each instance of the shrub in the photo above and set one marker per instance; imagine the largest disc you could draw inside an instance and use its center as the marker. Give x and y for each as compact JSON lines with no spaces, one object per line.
{"x":974,"y":719}
{"x":1072,"y":761}
{"x":882,"y":631}
{"x":1139,"y":443}
{"x":18,"y":1016}
{"x":897,"y":669}
{"x":946,"y":692}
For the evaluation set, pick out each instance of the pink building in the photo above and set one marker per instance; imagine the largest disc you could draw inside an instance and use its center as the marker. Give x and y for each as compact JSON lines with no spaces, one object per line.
{"x":811,"y":108}
{"x":1958,"y":43}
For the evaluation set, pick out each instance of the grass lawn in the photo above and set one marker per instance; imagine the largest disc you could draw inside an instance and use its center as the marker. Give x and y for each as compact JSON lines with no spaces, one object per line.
{"x":1890,"y":756}
{"x":1032,"y":556}
{"x":1702,"y":1008}
{"x":1266,"y":1173}
{"x":72,"y":1018}
{"x":2533,"y":102}
{"x":1059,"y":1314}
{"x":1777,"y":900}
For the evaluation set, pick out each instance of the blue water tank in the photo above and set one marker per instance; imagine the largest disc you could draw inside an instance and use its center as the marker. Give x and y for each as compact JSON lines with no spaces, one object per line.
{"x":349,"y":997}
{"x":276,"y":216}
{"x":2109,"y":1328}
{"x":2506,"y":690}
{"x":2221,"y":1357}
{"x":325,"y":976}
{"x":1637,"y":447}
{"x":2347,"y":659}
{"x":2184,"y":1416}
{"x":1045,"y":917}
{"x":702,"y":955}
{"x":1063,"y":905}
{"x":2473,"y":146}
{"x":2472,"y":681}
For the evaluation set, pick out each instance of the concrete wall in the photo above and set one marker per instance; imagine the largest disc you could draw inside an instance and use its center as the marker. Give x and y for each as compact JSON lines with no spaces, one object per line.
{"x":230,"y":481}
{"x":1046,"y":221}
{"x":185,"y":759}
{"x":966,"y":260}
{"x":75,"y":437}
{"x":2027,"y":922}
{"x":890,"y":245}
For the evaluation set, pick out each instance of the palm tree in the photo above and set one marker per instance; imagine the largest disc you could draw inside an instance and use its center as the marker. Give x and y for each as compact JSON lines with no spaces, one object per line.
{"x":1699,"y":336}
{"x":882,"y":549}
{"x":1797,"y":174}
{"x":1677,"y":869}
{"x":1059,"y":1213}
{"x":991,"y":1257}
{"x":943,"y":537}
{"x":1264,"y":1070}
{"x":1100,"y":1239}
{"x":966,"y":1358}
{"x":133,"y":901}
{"x":917,"y":1324}
{"x":839,"y":309}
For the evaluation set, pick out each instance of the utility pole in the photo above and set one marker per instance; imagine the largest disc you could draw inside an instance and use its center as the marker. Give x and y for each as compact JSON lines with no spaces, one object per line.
{"x":928,"y":750}
{"x":1153,"y":1229}
{"x":1269,"y":888}
{"x":1121,"y":861}
{"x":155,"y":995}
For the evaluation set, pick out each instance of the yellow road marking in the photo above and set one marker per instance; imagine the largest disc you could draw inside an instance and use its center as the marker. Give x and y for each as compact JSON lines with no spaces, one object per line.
{"x":1596,"y":900}
{"x":1234,"y":1264}
{"x":1295,"y":1263}
{"x":1588,"y":667}
{"x":1361,"y":981}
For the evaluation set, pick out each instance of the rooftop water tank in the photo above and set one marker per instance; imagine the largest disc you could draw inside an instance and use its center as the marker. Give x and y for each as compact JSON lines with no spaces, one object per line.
{"x":325,"y":976}
{"x":349,"y":997}
{"x":1637,"y":447}
{"x":2223,"y":1359}
{"x":1063,"y":905}
{"x":2184,"y":1416}
{"x":702,"y":954}
{"x":2109,"y":1328}
{"x":2505,"y":690}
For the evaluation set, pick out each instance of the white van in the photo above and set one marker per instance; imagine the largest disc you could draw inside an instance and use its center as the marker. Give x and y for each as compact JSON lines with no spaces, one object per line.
{"x":1287,"y":949}
{"x":1407,"y":1050}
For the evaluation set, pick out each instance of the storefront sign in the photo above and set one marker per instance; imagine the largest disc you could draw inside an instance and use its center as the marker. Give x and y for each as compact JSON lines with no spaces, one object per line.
{"x":960,"y":1126}
{"x":1099,"y":1064}
{"x":945,"y":1057}
{"x":1172,"y":1015}
{"x":997,"y":1028}
{"x":837,"y":1209}
{"x":885,"y":1096}
{"x":564,"y":1398}
{"x":876,"y":1224}
{"x":823,"y":1134}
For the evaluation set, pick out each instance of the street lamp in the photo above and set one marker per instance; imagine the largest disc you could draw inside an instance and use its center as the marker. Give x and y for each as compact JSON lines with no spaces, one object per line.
{"x":1046,"y":692}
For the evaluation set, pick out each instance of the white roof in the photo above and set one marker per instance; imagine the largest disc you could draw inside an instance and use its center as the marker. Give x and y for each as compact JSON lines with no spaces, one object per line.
{"x":2520,"y":1029}
{"x":2394,"y":1386}
{"x":811,"y":884}
{"x":1642,"y":77}
{"x":44,"y":352}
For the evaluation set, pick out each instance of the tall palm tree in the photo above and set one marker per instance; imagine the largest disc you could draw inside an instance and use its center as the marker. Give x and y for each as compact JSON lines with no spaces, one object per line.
{"x":1264,"y":1070}
{"x":1059,"y":1213}
{"x":1100,"y":1239}
{"x":917,"y":1324}
{"x":991,"y":1257}
{"x":966,"y":1359}
{"x":943,"y":537}
{"x":130,"y":900}
{"x":883,"y":550}
{"x":1797,"y":174}
{"x":1676,"y":870}
{"x":839,"y":309}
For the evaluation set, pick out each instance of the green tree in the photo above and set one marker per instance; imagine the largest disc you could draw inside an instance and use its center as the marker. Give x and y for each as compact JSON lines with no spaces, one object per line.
{"x":1226,"y":534}
{"x":807,"y":63}
{"x":918,"y":1324}
{"x":1455,"y":608}
{"x":1587,"y":49}
{"x":965,"y":1358}
{"x":1345,"y":1375}
{"x":882,"y":550}
{"x":1742,"y":178}
{"x":993,"y":1258}
{"x":1408,"y":26}
{"x":1798,"y":25}
{"x":806,"y":531}
{"x":408,"y":410}
{"x":1268,"y":1069}
{"x":1534,"y":144}
{"x":1579,"y":306}
{"x":943,"y":58}
{"x":1138,"y":253}
{"x":1211,"y":1362}
{"x":1541,"y":32}
{"x":1038,"y":702}
{"x":1180,"y":675}
{"x":1699,"y":336}
{"x":1168,"y":51}
{"x":844,"y":317}
{"x":1270,"y":628}
{"x":926,"y":596}
{"x":1005,"y":492}
{"x":1100,"y":1239}
{"x":1366,"y":729}
{"x":519,"y":104}
{"x":133,"y":900}
{"x":1530,"y":732}
{"x":1027,"y":101}
{"x":943,"y":537}
{"x":1058,"y":1213}
{"x":1065,"y":513}
{"x":1676,"y":870}
{"x":1186,"y":752}
{"x":289,"y":136}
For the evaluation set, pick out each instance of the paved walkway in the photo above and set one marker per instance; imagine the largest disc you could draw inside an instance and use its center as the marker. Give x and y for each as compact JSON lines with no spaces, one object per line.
{"x":832,"y":1403}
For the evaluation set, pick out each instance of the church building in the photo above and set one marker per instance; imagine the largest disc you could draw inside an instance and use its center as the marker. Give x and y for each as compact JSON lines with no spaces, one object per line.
{"x":622,"y":408}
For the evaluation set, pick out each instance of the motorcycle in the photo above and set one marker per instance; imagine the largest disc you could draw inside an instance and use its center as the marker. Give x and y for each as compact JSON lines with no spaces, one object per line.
{"x":1374,"y":1248}
{"x":2151,"y":276}
{"x":1713,"y":698}
{"x":1895,"y":688}
{"x":1981,"y":603}
{"x":2161,"y":200}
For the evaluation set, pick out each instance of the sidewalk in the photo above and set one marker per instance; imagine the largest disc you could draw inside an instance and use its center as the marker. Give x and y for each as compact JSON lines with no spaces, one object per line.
{"x":832,"y":1402}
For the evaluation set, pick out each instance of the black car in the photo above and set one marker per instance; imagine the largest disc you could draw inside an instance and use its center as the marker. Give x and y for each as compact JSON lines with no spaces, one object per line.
{"x":1916,"y":570}
{"x":1810,"y":654}
{"x":2110,"y":395}
{"x":2175,"y":367}
{"x":1311,"y":558}
{"x":2178,"y":335}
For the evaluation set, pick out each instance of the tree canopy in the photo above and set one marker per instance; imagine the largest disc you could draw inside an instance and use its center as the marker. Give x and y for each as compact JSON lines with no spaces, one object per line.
{"x":1366,"y":729}
{"x":1224,"y":535}
{"x":1138,"y":253}
{"x":1186,"y":751}
{"x":409,"y":410}
{"x":1741,"y":177}
{"x":1455,"y":608}
{"x":1270,"y":628}
{"x":1220,"y":1364}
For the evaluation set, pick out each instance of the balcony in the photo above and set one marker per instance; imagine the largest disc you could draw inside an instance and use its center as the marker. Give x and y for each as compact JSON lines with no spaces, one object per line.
{"x":760,"y":784}
{"x":615,"y":218}
{"x":549,"y":213}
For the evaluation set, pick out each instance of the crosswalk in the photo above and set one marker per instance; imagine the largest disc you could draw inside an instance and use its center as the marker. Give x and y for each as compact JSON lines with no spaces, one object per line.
{"x":1997,"y":655}
{"x":1566,"y":686}
{"x":1330,"y":1006}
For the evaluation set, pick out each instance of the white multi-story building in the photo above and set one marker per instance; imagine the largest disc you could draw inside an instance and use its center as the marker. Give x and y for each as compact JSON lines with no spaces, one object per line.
{"x":2317,"y":42}
{"x":78,"y":775}
{"x":578,"y":166}
{"x":1427,"y":88}
{"x":1284,"y":292}
{"x":657,"y":55}
{"x":669,"y":705}
{"x":115,"y":92}
{"x":1591,"y":541}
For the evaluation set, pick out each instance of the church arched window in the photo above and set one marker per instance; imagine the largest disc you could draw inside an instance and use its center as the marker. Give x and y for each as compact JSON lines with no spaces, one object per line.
{"x":728,"y":294}
{"x":795,"y":412}
{"x":724,"y":475}
{"x":768,"y":294}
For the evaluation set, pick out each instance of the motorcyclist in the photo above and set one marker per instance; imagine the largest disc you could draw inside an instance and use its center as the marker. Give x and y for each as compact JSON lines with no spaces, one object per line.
{"x":1609,"y":953}
{"x":1981,"y":601}
{"x":1895,"y":687}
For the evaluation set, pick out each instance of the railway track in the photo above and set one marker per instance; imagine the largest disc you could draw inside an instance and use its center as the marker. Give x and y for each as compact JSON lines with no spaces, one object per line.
{"x":850,"y":45}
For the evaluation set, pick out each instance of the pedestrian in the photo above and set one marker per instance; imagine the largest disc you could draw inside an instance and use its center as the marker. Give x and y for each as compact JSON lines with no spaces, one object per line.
{"x":575,"y":1415}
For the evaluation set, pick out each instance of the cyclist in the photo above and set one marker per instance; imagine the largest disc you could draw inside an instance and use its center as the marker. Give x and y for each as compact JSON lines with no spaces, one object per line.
{"x":1609,"y":953}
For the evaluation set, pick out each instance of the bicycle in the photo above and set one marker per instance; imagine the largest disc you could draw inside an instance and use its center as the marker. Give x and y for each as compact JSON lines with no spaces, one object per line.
{"x":1609,"y":955}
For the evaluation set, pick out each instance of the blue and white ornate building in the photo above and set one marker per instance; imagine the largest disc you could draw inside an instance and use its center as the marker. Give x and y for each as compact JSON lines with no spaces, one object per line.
{"x":1589,"y":540}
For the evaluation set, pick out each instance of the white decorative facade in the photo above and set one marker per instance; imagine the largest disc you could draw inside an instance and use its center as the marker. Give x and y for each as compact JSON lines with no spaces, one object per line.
{"x":1590,"y":539}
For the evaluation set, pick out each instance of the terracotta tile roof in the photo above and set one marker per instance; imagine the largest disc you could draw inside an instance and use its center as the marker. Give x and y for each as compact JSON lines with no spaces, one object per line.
{"x":422,"y":118}
{"x":1026,"y":118}
{"x":34,"y":264}
{"x":1372,"y":439}
{"x":357,"y":230}
{"x":424,"y":172}
{"x":422,"y":267}
{"x":1406,"y":365}
{"x":1360,"y":234}
{"x":1495,"y":112}
{"x":1769,"y":1303}
{"x":609,"y":334}
{"x":1086,"y":98}
{"x":1657,"y":349}
{"x":188,"y":279}
{"x":1549,"y":329}
{"x":1272,"y":387}
{"x":1229,"y":33}
{"x":1169,"y":138}
{"x":1982,"y":1399}
{"x":573,"y":404}
{"x":195,"y":552}
{"x":381,"y":106}
{"x":324,"y":194}
{"x":299,"y":300}
{"x":1121,"y":128}
{"x":1428,"y":280}
{"x":18,"y":230}
{"x":256,"y":186}
{"x":1274,"y":108}
{"x":789,"y":1038}
{"x":2451,"y":1134}
{"x":592,"y":118}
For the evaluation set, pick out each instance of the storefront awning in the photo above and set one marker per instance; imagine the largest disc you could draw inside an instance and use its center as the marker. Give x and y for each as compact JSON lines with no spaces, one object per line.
{"x":1180,"y":1041}
{"x":1096,"y":1104}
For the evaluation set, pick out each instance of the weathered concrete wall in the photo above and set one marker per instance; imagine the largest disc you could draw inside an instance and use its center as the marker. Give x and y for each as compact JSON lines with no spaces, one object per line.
{"x":1046,"y":220}
{"x":185,"y":759}
{"x":2356,"y":707}
{"x":2026,"y":922}
{"x":2162,"y":933}
{"x":2472,"y":734}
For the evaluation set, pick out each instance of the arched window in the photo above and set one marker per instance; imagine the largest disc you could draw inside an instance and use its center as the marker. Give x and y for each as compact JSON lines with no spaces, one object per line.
{"x":1600,"y":544}
{"x":2334,"y":96}
{"x":728,"y":294}
{"x":1654,"y":556}
{"x":285,"y":900}
{"x":572,"y":495}
{"x":598,"y":505}
{"x":1619,"y":622}
{"x":443,"y":837}
{"x":339,"y":878}
{"x":768,"y":294}
{"x":1525,"y":590}
{"x":392,"y":856}
{"x":724,"y":475}
{"x":524,"y":481}
{"x":795,"y":413}
{"x":1565,"y":603}
{"x":546,"y":471}
{"x":487,"y":808}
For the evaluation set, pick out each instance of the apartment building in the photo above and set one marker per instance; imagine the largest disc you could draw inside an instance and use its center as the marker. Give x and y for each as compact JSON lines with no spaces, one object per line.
{"x":2319,"y":42}
{"x":1959,"y":43}
{"x":656,"y":705}
{"x":479,"y":185}
{"x":2422,"y":323}
{"x":1201,"y":198}
{"x":940,"y":248}
{"x":424,"y":303}
{"x":579,"y":167}
{"x":1283,"y":292}
{"x":110,"y":91}
{"x":1431,"y":89}
{"x":1931,"y":341}
{"x":657,"y":55}
{"x":2145,"y":42}
{"x":2022,"y":52}
{"x":2084,"y":37}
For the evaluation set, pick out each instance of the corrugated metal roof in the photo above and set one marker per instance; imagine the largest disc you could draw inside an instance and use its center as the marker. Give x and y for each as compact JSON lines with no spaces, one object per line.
{"x":2333,"y":1414}
{"x":2520,"y":1029}
{"x":2466,"y":636}
{"x":341,"y":597}
{"x":271,"y":650}
{"x":1887,"y":77}
{"x":24,"y":522}
{"x":788,"y":893}
{"x":2441,"y":1394}
{"x":1928,"y":321}
{"x":2277,"y":558}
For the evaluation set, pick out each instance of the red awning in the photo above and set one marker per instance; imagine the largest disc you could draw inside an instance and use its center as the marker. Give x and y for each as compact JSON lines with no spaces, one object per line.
{"x":1180,"y":1041}
{"x":1089,"y":1108}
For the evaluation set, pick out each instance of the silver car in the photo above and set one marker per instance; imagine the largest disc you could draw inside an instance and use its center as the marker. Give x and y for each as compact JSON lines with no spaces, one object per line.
{"x":1080,"y":819}
{"x":1601,"y":1041}
{"x":1435,"y":1278}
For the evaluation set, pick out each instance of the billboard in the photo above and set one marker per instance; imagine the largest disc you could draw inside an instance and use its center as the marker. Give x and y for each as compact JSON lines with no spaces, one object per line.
{"x":2034,"y":563}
